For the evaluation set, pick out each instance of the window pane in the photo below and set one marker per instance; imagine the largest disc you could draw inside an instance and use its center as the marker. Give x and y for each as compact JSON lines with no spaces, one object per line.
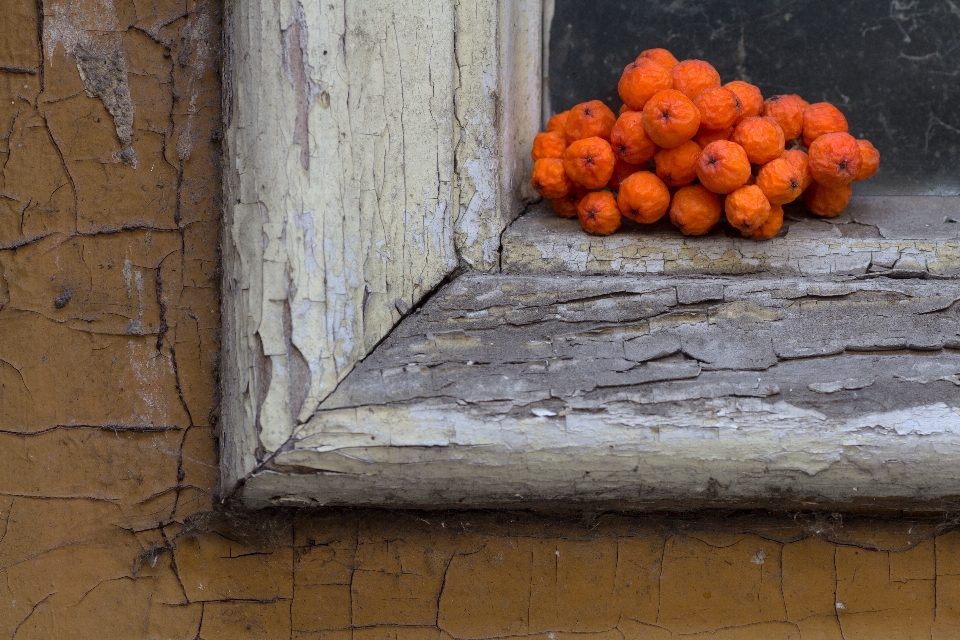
{"x":893,"y":67}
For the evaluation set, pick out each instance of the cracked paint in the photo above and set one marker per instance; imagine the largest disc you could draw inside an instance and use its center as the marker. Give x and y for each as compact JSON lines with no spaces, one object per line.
{"x":107,"y":520}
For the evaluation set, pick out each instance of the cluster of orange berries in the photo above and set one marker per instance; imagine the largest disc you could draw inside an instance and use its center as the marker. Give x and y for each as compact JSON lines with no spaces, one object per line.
{"x":715,"y":149}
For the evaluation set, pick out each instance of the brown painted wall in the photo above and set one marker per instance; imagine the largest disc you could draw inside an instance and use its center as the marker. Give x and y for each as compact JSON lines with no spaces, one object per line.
{"x":108,"y":346}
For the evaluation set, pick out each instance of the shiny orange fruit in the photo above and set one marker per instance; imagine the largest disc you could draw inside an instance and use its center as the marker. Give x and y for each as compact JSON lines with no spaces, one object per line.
{"x":598,"y":213}
{"x":621,"y":170}
{"x":588,"y":120}
{"x":747,"y":208}
{"x":798,"y":158}
{"x":643,"y":197}
{"x":670,"y":118}
{"x":695,"y":210}
{"x":678,"y":166}
{"x":771,"y":227}
{"x":693,"y":76}
{"x":706,"y":136}
{"x":834,"y":159}
{"x":869,"y":160}
{"x":558,"y":122}
{"x":779,"y":181}
{"x":629,"y":139}
{"x":723,"y":166}
{"x":821,"y":118}
{"x":719,"y":108}
{"x":566,"y":207}
{"x":751,"y":100}
{"x":825,"y":201}
{"x":642,"y":79}
{"x":550,"y":179}
{"x":762,"y":139}
{"x":786,"y":111}
{"x":662,"y":56}
{"x":549,"y":144}
{"x":589,"y":162}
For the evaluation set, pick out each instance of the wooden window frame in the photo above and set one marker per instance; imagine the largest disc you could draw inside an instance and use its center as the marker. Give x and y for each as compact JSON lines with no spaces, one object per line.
{"x":325,"y":104}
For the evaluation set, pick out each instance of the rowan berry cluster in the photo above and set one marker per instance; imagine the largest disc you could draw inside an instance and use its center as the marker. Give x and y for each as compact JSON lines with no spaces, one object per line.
{"x":686,"y":144}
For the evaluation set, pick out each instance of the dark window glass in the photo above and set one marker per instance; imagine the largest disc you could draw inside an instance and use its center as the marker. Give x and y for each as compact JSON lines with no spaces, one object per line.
{"x":893,"y":67}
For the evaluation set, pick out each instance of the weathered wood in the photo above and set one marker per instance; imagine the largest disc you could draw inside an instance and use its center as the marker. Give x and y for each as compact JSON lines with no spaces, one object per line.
{"x":339,"y":178}
{"x":498,"y":114}
{"x":370,"y":149}
{"x":904,"y":236}
{"x":644,"y":392}
{"x":373,"y":149}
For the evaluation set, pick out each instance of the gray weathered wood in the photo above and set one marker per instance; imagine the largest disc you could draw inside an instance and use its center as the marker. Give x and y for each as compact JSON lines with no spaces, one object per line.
{"x":641,"y":392}
{"x":896,"y":235}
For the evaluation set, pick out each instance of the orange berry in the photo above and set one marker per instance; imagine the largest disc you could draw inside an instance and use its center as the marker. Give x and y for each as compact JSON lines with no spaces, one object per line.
{"x":549,"y":144}
{"x":786,"y":111}
{"x":769,"y":228}
{"x":747,"y":208}
{"x":678,"y":166}
{"x":566,"y":207}
{"x":723,"y":166}
{"x":826,"y":202}
{"x":693,"y":76}
{"x":589,"y":119}
{"x":662,"y":56}
{"x":629,"y":139}
{"x":869,"y":160}
{"x":670,"y":118}
{"x":558,"y":122}
{"x":621,"y":170}
{"x":550,"y":179}
{"x":719,"y":108}
{"x":589,"y":162}
{"x":779,"y":181}
{"x":598,"y":213}
{"x":695,"y":210}
{"x":821,"y":118}
{"x":762,"y":139}
{"x":834,"y":159}
{"x":623,"y":109}
{"x":803,"y":103}
{"x":751,"y":100}
{"x":643,"y":197}
{"x":642,"y":79}
{"x":798,"y":158}
{"x":706,"y":136}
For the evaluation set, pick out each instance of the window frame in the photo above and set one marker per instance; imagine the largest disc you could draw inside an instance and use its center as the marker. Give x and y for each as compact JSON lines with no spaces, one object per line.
{"x":496,"y":108}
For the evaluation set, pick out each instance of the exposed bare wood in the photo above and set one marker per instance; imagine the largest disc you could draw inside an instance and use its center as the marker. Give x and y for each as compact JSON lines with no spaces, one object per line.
{"x":645,"y":391}
{"x":908,"y":236}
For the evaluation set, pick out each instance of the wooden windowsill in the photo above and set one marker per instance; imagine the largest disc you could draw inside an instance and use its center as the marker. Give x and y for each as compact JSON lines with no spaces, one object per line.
{"x":898,"y":236}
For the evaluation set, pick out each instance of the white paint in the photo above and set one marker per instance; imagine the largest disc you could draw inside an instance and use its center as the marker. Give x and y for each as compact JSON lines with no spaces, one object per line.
{"x":498,"y":77}
{"x":345,"y":124}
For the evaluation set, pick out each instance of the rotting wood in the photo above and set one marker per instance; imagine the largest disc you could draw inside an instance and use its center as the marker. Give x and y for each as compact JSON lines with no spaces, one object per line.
{"x":644,"y":392}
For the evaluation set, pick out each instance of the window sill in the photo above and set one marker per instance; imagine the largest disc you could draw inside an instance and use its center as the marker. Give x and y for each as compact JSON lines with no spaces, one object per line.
{"x":645,"y":392}
{"x":898,"y":236}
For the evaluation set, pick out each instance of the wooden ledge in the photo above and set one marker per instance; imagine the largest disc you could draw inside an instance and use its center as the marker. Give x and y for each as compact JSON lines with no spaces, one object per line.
{"x":901,"y":236}
{"x":652,"y":392}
